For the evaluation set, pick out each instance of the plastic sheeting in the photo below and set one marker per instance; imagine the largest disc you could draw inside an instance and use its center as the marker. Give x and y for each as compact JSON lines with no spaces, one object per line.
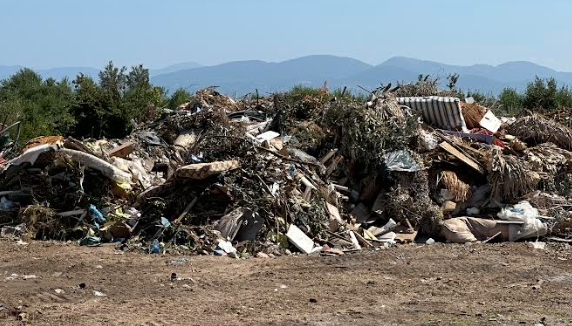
{"x":401,"y":161}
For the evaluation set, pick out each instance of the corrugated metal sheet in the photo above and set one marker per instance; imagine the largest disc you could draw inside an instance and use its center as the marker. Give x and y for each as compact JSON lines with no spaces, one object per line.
{"x":440,"y":112}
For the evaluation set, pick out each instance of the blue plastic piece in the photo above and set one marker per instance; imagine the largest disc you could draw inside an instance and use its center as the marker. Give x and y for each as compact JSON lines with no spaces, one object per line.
{"x":155,"y":247}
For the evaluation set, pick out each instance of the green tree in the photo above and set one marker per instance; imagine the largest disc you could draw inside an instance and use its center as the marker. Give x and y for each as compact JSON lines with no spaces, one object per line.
{"x":141,"y":99}
{"x":510,"y":101}
{"x":541,"y":94}
{"x":179,"y":97}
{"x":564,"y":97}
{"x":43,"y":107}
{"x":89,"y":108}
{"x":452,"y":80}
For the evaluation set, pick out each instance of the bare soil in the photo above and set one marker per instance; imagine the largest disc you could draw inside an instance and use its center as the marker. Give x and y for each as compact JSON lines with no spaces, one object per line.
{"x":493,"y":284}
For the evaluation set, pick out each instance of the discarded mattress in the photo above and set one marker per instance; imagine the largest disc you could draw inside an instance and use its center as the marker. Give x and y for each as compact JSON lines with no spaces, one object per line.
{"x":440,"y":112}
{"x":471,"y":229}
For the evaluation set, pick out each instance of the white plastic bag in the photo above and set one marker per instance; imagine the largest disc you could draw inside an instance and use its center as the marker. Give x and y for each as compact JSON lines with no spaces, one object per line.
{"x":523,"y":211}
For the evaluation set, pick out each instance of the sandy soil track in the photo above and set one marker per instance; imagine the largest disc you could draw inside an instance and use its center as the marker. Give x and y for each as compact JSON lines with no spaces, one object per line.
{"x":495,"y":284}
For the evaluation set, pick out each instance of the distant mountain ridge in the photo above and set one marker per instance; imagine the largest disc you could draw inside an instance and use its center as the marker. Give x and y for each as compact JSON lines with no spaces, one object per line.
{"x":241,"y":77}
{"x":56,"y":73}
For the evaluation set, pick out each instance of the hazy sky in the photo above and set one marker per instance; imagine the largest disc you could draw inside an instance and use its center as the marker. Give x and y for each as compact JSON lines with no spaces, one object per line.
{"x":50,"y":33}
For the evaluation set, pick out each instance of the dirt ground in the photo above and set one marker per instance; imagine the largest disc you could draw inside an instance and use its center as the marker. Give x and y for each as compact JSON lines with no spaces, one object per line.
{"x":493,"y":284}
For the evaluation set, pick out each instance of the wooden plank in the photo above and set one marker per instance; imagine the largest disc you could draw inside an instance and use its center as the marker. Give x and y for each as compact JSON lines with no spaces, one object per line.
{"x":334,"y":165}
{"x":363,"y":241}
{"x":186,"y":211}
{"x":328,"y":156}
{"x":406,"y":237}
{"x":122,"y":151}
{"x":462,"y":157}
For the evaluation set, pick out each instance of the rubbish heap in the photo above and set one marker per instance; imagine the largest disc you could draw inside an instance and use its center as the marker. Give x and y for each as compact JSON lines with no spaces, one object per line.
{"x":295,"y":172}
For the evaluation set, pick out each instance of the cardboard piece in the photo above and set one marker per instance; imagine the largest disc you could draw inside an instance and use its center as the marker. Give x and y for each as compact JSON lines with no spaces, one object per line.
{"x":335,"y":219}
{"x":490,"y":122}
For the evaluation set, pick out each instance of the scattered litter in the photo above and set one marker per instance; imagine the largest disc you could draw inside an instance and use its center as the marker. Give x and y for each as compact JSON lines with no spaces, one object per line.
{"x":538,"y":245}
{"x":275,"y":174}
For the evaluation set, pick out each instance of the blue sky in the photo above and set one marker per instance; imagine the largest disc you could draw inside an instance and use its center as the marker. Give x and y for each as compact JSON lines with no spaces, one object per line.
{"x":51,"y":33}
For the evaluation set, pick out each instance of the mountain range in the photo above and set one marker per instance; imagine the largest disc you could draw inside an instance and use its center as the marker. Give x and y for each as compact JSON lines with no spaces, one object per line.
{"x":241,"y":77}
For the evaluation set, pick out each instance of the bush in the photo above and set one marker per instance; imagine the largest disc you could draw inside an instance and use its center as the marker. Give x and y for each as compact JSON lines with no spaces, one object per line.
{"x":41,"y":105}
{"x":180,"y":96}
{"x":545,"y":94}
{"x":511,"y":102}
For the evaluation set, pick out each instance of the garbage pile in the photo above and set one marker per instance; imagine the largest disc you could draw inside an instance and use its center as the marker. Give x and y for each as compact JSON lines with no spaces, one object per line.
{"x":308,"y":173}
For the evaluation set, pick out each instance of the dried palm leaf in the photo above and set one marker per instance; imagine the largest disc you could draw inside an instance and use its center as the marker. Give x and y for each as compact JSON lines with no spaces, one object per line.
{"x":549,"y":158}
{"x":456,"y":186}
{"x":537,"y":129}
{"x":386,"y":107}
{"x":510,"y":177}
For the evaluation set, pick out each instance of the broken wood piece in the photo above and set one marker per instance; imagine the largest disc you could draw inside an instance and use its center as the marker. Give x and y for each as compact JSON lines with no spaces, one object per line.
{"x":307,"y":194}
{"x":186,"y":211}
{"x":334,"y":165}
{"x":363,"y":241}
{"x":122,"y":151}
{"x":368,"y":235}
{"x":494,"y":236}
{"x":229,"y":224}
{"x":341,"y":188}
{"x":449,"y":206}
{"x":406,"y":237}
{"x":409,"y":226}
{"x":307,"y":182}
{"x":265,"y":186}
{"x":354,"y":239}
{"x":462,"y":157}
{"x":328,"y":156}
{"x":283,"y":156}
{"x":555,"y":239}
{"x":277,"y":144}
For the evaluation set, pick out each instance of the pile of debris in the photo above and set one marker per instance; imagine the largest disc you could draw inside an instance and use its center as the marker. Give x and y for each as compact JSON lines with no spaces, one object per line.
{"x":312,"y":173}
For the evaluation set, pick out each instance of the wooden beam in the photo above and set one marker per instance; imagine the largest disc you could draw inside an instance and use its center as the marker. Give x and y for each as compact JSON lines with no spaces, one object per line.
{"x":462,"y":157}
